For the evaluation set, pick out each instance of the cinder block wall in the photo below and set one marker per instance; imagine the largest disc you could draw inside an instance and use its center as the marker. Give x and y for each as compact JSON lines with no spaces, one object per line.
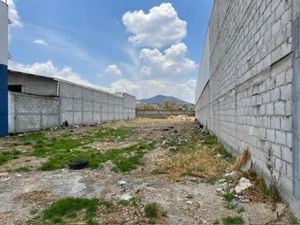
{"x":82,"y":105}
{"x":248,"y":100}
{"x":28,"y":112}
{"x":49,"y":102}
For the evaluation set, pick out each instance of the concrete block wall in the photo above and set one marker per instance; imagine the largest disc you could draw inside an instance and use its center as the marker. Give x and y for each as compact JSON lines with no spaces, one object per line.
{"x":83,"y":105}
{"x":248,"y":100}
{"x":35,"y":108}
{"x":29,"y":112}
{"x":162,"y":113}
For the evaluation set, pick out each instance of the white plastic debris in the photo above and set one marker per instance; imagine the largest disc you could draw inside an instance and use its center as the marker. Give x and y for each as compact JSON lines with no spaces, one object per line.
{"x":230,"y":175}
{"x":244,"y":184}
{"x":126,"y":197}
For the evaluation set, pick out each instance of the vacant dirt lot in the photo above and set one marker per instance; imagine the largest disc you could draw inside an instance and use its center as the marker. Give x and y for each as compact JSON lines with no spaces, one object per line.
{"x":146,"y":171}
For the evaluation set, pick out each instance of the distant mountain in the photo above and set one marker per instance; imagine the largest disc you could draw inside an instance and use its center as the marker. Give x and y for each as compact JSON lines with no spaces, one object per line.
{"x":160,"y":99}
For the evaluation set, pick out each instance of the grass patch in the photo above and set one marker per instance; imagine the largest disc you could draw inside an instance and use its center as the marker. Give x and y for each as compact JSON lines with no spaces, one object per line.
{"x":152,"y":221}
{"x":240,"y":210}
{"x":94,"y":211}
{"x":197,"y":163}
{"x":22,"y":170}
{"x":211,"y":141}
{"x":8,"y":156}
{"x":197,"y":158}
{"x":259,"y":192}
{"x":216,"y":222}
{"x":235,"y":220}
{"x":68,"y":208}
{"x":228,"y":196}
{"x":127,"y":163}
{"x":70,"y":146}
{"x":124,"y":159}
{"x":153,"y":211}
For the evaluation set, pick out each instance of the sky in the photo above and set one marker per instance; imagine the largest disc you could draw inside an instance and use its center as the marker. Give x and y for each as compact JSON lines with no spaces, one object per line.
{"x":142,"y":47}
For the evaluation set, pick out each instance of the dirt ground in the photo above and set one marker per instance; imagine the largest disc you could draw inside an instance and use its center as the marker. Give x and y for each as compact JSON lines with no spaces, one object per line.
{"x":188,"y":200}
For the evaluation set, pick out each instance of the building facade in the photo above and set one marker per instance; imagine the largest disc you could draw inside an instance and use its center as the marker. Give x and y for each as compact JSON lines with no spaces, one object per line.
{"x":248,"y":90}
{"x":38,"y":102}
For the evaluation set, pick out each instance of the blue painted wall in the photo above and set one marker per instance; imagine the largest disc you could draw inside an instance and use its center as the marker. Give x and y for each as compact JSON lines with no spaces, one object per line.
{"x":3,"y":100}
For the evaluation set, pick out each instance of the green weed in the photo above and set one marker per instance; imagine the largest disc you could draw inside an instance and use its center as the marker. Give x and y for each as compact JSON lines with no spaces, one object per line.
{"x":228,"y":196}
{"x":22,"y":170}
{"x":216,"y":222}
{"x":119,"y":157}
{"x":152,"y":210}
{"x":68,"y":208}
{"x":8,"y":156}
{"x":236,"y":220}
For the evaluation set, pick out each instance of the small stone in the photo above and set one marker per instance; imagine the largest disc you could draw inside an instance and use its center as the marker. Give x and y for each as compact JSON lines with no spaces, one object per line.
{"x":225,"y":185}
{"x":4,"y":174}
{"x":126,"y":197}
{"x":234,"y":202}
{"x":221,"y":181}
{"x":245,"y":200}
{"x":122,"y":182}
{"x":219,"y":189}
{"x":189,"y":202}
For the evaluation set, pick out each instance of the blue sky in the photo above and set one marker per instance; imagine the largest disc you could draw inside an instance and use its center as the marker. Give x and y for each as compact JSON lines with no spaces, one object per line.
{"x":144,"y":47}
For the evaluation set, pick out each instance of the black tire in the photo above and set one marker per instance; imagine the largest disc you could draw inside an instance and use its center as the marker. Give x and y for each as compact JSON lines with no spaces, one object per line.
{"x":78,"y":164}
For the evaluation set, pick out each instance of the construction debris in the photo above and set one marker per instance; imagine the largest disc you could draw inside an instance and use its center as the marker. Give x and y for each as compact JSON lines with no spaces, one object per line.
{"x":244,"y":184}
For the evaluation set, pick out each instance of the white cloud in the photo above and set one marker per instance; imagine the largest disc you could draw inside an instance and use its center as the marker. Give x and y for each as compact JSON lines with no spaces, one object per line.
{"x":141,"y":89}
{"x":40,"y":42}
{"x":158,"y":28}
{"x":113,"y":70}
{"x":49,"y":70}
{"x":173,"y":61}
{"x":150,"y":88}
{"x":13,"y":14}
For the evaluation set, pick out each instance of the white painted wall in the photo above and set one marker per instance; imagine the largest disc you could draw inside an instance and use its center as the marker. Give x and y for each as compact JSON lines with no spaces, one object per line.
{"x":3,"y":33}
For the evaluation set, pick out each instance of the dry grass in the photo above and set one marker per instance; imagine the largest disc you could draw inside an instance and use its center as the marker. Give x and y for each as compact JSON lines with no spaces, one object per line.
{"x":42,"y":196}
{"x":242,"y":160}
{"x":197,"y":163}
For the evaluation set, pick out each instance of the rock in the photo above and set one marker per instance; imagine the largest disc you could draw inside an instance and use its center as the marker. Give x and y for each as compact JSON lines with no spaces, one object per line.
{"x":122,"y":182}
{"x":219,"y":190}
{"x":230,"y":175}
{"x":245,"y":200}
{"x":219,"y":155}
{"x":234,"y":202}
{"x":221,"y":181}
{"x":224,"y":185}
{"x":189,"y":202}
{"x":4,"y":174}
{"x":126,"y":197}
{"x":244,"y":184}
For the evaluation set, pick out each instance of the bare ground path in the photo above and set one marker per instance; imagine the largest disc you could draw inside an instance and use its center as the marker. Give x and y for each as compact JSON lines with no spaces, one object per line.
{"x":186,"y":199}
